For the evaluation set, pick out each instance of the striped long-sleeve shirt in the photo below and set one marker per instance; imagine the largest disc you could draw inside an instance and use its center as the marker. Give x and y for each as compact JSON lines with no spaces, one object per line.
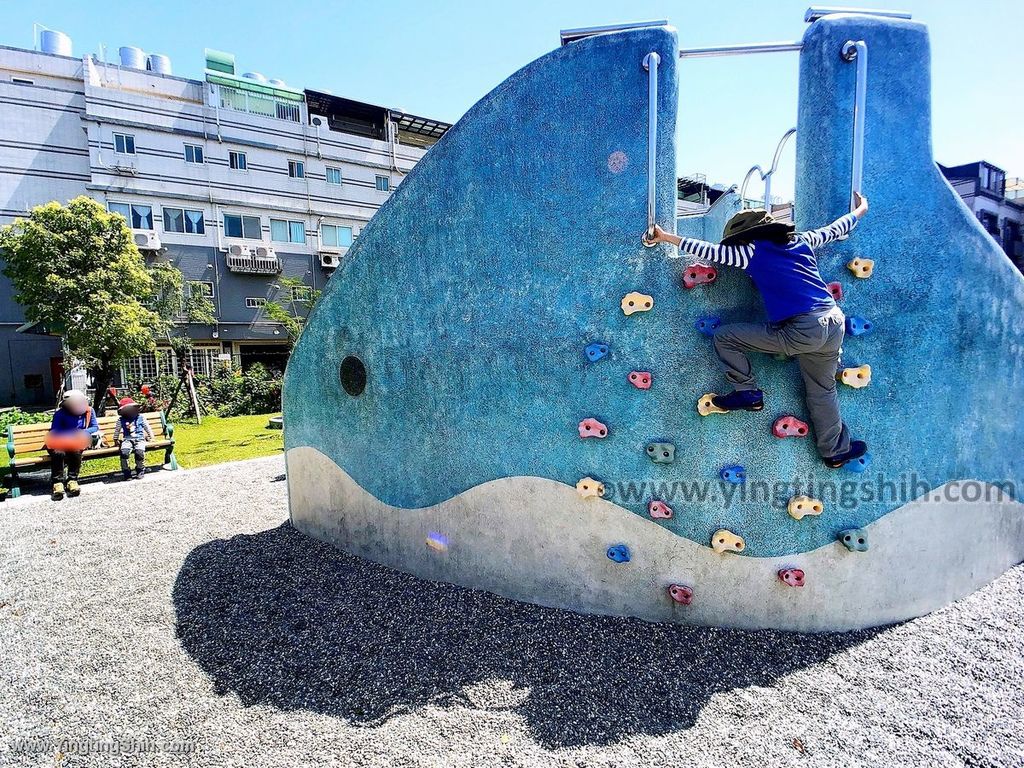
{"x":786,"y":275}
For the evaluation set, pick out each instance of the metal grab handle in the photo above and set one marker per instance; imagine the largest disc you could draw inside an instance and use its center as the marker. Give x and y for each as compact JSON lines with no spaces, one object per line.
{"x":651,"y":62}
{"x":766,"y":176}
{"x":858,"y":50}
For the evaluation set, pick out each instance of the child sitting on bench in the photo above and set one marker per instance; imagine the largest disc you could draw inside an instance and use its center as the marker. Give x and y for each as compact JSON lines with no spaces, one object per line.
{"x":130,"y":433}
{"x":803,"y":319}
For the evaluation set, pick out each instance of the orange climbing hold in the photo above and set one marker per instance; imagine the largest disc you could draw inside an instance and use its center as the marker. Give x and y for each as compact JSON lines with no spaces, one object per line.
{"x":726,"y":541}
{"x":861,"y":267}
{"x":589,"y":488}
{"x":705,"y":407}
{"x":856,"y":377}
{"x":801,"y":506}
{"x":636,"y":302}
{"x":593,"y":428}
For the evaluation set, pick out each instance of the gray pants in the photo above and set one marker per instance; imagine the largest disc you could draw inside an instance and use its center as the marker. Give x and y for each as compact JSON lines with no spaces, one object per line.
{"x":138,"y":447}
{"x":815,"y":341}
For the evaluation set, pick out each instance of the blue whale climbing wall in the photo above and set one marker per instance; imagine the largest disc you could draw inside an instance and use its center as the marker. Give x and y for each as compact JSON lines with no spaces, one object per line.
{"x":471,"y":297}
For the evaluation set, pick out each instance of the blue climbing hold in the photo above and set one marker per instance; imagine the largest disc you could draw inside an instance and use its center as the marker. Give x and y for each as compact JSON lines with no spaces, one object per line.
{"x":858,"y":326}
{"x":618,"y":553}
{"x":661,"y":453}
{"x":854,"y":539}
{"x":858,"y":465}
{"x":734,"y":474}
{"x":596,"y":351}
{"x":708,"y":325}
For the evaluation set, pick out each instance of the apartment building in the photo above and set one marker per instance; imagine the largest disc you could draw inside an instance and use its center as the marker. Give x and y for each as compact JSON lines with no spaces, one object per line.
{"x":995,"y":201}
{"x":236,"y":179}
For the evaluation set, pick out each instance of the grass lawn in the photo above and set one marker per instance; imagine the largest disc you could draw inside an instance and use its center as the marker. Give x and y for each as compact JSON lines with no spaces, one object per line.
{"x":214,"y":441}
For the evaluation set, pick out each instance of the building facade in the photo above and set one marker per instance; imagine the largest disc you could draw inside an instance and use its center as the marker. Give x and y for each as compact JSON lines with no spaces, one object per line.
{"x":235,"y":179}
{"x":996,"y":201}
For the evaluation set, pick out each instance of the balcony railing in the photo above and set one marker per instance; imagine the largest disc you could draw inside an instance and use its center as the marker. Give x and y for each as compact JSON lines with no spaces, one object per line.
{"x":259,"y":261}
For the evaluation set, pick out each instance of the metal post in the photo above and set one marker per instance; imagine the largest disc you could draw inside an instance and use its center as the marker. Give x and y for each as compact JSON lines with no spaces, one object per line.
{"x":651,"y":62}
{"x":858,"y":50}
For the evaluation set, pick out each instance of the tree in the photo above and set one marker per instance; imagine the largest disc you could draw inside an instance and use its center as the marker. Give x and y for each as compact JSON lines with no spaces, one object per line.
{"x":291,"y":308}
{"x":77,"y":271}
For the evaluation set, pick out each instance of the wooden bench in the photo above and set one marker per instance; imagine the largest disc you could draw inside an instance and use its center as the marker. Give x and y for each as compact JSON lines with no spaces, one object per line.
{"x":27,"y":439}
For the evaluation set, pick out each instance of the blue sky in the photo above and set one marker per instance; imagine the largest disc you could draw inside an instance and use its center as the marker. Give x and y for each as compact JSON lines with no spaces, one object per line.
{"x":438,"y":58}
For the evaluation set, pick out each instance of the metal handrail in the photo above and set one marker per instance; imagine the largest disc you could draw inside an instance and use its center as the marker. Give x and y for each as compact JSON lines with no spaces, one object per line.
{"x":766,"y":176}
{"x":737,"y":50}
{"x":858,"y":51}
{"x":651,"y":62}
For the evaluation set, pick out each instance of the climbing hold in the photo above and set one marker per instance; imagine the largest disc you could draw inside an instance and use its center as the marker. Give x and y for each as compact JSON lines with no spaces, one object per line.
{"x":801,"y":506}
{"x":437,"y":541}
{"x":854,"y":539}
{"x":593,"y":428}
{"x":636,"y":302}
{"x":794,"y":577}
{"x":708,"y":325}
{"x":588,"y":488}
{"x":698,"y":274}
{"x":858,"y":326}
{"x":859,"y":464}
{"x":861,"y":267}
{"x":617,"y":161}
{"x":659,"y":510}
{"x":734,"y":474}
{"x":595,"y":351}
{"x":726,"y":541}
{"x":681,"y":594}
{"x":661,"y":453}
{"x":836,"y":289}
{"x":618,"y":553}
{"x":640,"y":379}
{"x":789,"y":426}
{"x":705,"y":407}
{"x":856,"y":377}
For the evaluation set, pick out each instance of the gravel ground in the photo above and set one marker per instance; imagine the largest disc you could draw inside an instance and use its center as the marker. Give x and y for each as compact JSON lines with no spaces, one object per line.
{"x":185,"y":609}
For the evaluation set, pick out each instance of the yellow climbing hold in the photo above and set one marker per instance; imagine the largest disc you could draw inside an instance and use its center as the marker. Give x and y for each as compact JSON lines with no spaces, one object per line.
{"x":705,"y":407}
{"x":590,"y":488}
{"x":861,"y":267}
{"x":801,"y":506}
{"x":726,"y":541}
{"x":856,"y":377}
{"x":636,"y":302}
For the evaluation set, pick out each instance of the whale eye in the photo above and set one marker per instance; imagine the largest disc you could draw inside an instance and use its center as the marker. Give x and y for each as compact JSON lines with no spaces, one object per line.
{"x":353,"y":375}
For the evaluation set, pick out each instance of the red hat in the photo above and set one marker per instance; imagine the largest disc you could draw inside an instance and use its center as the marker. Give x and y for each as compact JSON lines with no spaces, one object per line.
{"x":124,"y":403}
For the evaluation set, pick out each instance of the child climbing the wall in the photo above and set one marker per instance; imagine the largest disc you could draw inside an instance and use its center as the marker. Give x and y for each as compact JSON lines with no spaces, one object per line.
{"x":803,"y":319}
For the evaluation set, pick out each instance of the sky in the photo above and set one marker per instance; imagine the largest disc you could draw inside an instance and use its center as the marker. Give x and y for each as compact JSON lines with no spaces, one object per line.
{"x":437,"y":58}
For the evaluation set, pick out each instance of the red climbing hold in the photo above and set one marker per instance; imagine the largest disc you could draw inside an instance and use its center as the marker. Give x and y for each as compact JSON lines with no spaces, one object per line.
{"x":593,"y":428}
{"x":659,"y":510}
{"x":794,"y":577}
{"x":836,"y":289}
{"x":698,"y":274}
{"x":681,"y":594}
{"x":789,"y":426}
{"x":640,"y":379}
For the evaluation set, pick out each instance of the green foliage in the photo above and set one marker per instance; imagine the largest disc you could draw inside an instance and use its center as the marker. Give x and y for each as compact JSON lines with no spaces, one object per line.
{"x":16,"y":417}
{"x":290,"y":309}
{"x":229,"y":392}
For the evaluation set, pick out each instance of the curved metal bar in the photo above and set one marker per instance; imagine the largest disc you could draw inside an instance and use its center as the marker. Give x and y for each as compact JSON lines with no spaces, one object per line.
{"x":651,"y":62}
{"x":858,"y":51}
{"x":775,"y":166}
{"x":746,"y":180}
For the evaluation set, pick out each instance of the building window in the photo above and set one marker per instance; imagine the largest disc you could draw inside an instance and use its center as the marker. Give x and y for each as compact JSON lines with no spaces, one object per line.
{"x":193,"y":153}
{"x":334,"y":175}
{"x":202,"y":359}
{"x":333,"y":236}
{"x":237,"y":161}
{"x":21,"y":81}
{"x":282,"y":231}
{"x":146,"y":367}
{"x":200,"y":289}
{"x":296,"y":169}
{"x":254,"y":302}
{"x":137,"y":216}
{"x":301,"y":293}
{"x":184,"y":220}
{"x":247,"y":227}
{"x":124,"y":144}
{"x":383,"y":184}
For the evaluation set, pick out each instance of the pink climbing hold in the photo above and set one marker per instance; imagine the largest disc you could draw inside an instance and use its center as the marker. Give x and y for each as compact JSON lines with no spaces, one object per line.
{"x":836,"y":289}
{"x":593,"y":428}
{"x":794,"y":577}
{"x":789,"y":426}
{"x":640,"y":379}
{"x":659,"y":510}
{"x":698,"y":274}
{"x":681,"y":594}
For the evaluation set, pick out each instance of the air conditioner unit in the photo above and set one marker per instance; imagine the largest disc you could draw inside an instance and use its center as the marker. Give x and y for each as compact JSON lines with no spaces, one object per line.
{"x":265,"y":252}
{"x":147,"y":241}
{"x":330,"y":260}
{"x":236,"y":249}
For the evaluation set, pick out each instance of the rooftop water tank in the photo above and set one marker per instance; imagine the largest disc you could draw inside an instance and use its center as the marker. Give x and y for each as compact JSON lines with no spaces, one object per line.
{"x":259,"y":78}
{"x":132,"y":57}
{"x":159,"y":63}
{"x":278,"y":81}
{"x":52,"y":41}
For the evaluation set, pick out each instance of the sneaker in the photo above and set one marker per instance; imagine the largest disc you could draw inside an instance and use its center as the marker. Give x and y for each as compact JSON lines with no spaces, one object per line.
{"x":58,"y":491}
{"x":73,"y":489}
{"x":139,"y":473}
{"x":126,"y":476}
{"x":857,"y":449}
{"x":740,"y":400}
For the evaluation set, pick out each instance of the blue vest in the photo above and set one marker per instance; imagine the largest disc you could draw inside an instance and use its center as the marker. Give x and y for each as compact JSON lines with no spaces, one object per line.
{"x":787,"y":278}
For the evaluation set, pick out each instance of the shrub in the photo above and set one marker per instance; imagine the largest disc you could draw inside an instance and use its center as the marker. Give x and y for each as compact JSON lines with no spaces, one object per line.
{"x":229,"y":392}
{"x":16,"y":417}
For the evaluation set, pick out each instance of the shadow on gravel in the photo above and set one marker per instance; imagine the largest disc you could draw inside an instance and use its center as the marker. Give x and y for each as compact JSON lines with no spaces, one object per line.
{"x":282,"y":619}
